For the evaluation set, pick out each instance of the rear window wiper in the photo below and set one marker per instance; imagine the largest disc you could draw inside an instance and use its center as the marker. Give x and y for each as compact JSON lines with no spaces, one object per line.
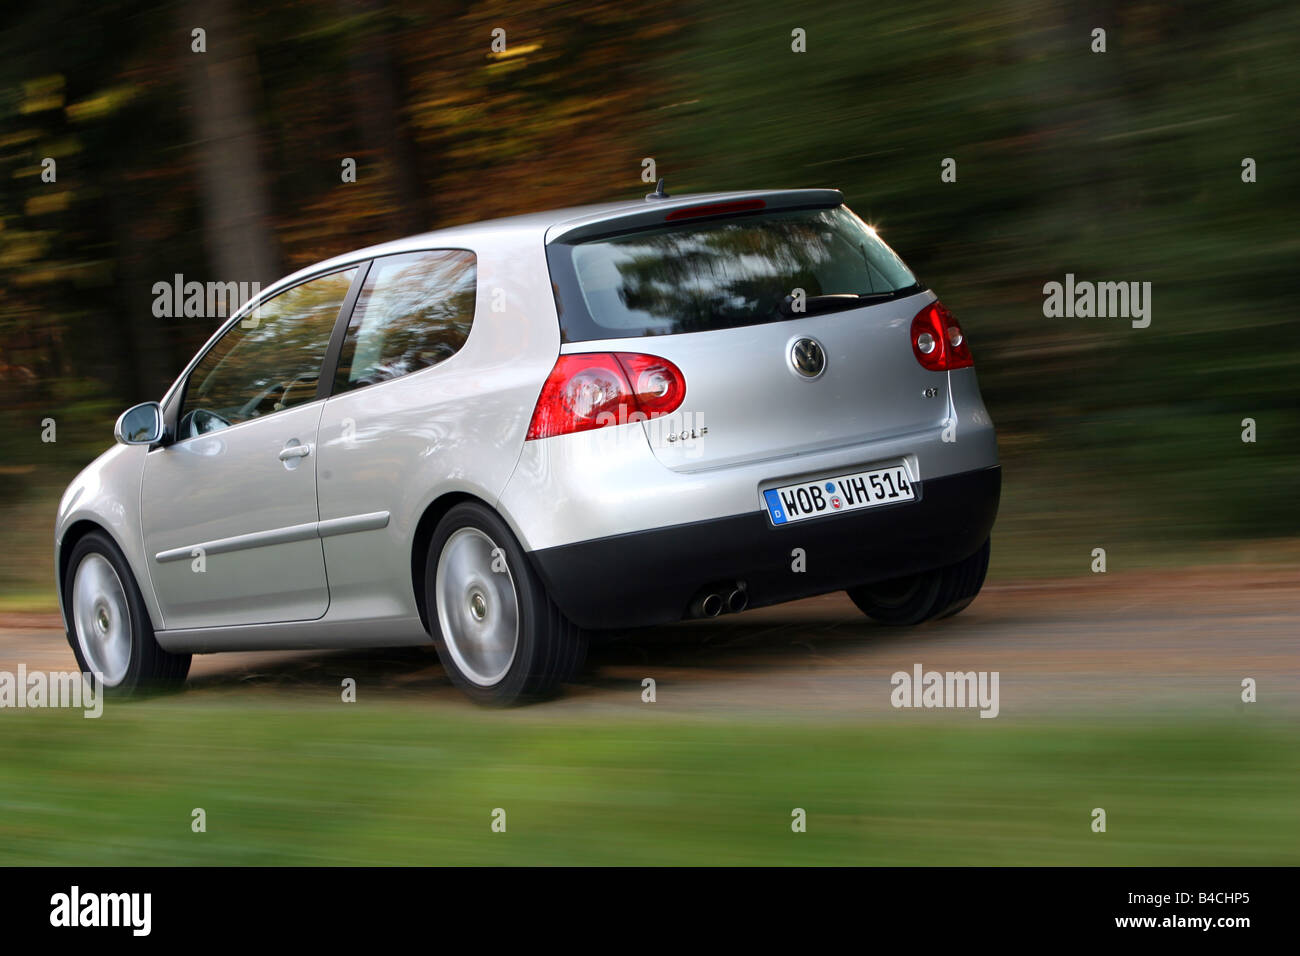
{"x":836,"y":301}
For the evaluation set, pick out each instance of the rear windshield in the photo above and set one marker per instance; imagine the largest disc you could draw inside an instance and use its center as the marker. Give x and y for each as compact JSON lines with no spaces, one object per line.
{"x":721,"y":274}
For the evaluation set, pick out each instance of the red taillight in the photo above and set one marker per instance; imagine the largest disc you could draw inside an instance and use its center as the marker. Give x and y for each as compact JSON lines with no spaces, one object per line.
{"x":715,"y":209}
{"x":593,"y":389}
{"x":657,"y":383}
{"x":938,"y":341}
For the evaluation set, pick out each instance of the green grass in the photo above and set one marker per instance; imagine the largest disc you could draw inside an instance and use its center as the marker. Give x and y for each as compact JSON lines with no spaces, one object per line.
{"x":288,"y":783}
{"x":37,"y":599}
{"x":27,"y":544}
{"x":1054,"y":512}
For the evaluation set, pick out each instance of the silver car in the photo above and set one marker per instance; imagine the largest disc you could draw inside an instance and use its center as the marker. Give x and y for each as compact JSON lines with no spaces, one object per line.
{"x":509,"y":436}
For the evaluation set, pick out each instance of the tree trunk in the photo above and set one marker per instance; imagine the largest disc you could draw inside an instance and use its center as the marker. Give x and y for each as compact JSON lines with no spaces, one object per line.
{"x":377,"y":106}
{"x":236,"y":211}
{"x":144,"y":367}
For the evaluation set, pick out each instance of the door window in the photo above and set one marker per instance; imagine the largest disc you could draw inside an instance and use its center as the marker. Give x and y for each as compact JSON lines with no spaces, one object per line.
{"x":267,"y":361}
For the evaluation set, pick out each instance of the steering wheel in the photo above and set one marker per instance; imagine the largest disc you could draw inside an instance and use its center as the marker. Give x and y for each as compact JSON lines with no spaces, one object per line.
{"x":201,"y":422}
{"x":294,"y":386}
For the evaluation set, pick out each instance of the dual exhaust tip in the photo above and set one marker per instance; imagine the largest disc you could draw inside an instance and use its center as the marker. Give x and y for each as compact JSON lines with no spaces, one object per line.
{"x":732,"y":598}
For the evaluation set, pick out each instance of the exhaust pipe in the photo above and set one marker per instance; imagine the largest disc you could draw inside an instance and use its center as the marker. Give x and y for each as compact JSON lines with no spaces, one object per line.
{"x":738,"y":599}
{"x":707,"y":605}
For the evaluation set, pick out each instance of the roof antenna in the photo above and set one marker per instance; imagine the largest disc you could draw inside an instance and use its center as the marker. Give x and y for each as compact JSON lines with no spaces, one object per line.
{"x":659,"y":191}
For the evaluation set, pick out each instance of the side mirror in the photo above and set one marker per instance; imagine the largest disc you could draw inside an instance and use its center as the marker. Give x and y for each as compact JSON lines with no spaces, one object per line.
{"x":140,"y":425}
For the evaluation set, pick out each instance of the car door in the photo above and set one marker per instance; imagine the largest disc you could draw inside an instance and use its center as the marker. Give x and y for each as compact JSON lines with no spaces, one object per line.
{"x":387,"y":428}
{"x":229,"y":511}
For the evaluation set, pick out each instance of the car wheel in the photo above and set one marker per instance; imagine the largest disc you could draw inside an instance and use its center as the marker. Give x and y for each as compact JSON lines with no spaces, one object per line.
{"x":108,"y":624}
{"x":930,"y":595}
{"x":964,"y":581}
{"x":498,"y":634}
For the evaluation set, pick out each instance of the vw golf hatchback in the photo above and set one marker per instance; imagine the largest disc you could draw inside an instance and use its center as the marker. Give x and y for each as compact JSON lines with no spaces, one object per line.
{"x":504,"y":437}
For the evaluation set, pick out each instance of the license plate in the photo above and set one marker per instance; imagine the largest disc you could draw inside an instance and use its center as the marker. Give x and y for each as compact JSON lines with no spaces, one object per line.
{"x":824,"y":496}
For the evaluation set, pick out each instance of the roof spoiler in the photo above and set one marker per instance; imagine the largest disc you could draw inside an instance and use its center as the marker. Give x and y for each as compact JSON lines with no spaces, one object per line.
{"x":681,"y":208}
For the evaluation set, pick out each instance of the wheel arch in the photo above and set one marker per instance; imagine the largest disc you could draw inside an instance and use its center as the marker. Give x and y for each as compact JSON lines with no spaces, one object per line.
{"x":71,"y":535}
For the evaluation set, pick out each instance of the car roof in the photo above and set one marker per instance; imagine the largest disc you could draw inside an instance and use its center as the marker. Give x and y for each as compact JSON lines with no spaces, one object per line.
{"x":571,"y":223}
{"x":574,"y":222}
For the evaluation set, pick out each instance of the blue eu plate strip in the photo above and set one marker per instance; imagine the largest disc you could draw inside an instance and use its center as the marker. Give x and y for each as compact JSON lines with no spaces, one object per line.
{"x":774,"y":507}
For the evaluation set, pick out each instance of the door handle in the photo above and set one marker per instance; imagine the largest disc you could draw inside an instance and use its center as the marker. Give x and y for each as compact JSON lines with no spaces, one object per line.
{"x":294,"y":451}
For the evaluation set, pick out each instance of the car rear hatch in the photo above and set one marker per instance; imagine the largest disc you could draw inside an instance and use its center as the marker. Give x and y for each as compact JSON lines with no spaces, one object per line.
{"x":791,"y":327}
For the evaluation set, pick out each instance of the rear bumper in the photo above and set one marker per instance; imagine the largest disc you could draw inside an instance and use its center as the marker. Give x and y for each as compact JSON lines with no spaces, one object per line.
{"x":651,"y":577}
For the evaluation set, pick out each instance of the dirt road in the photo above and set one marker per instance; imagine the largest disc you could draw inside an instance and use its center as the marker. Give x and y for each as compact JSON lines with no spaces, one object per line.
{"x":1150,"y":642}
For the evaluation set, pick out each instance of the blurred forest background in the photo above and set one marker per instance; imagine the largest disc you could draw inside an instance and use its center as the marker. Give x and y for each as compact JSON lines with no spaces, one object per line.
{"x":1116,"y":166}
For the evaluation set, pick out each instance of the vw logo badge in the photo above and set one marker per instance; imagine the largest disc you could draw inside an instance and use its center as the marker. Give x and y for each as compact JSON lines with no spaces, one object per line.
{"x":808,"y":357}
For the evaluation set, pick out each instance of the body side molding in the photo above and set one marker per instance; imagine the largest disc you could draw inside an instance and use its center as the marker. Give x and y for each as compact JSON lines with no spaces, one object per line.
{"x":287,"y":535}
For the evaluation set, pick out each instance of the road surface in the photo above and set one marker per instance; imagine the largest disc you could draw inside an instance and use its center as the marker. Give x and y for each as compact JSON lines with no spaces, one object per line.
{"x":1138,"y":642}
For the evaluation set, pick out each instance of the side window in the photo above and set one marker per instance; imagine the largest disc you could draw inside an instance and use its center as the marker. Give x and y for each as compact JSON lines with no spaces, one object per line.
{"x":414,"y":311}
{"x":267,"y":361}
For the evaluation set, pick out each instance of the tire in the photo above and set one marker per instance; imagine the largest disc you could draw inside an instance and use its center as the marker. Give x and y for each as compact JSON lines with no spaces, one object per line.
{"x":965,"y":580}
{"x":108,"y":624}
{"x":929,"y":595}
{"x":498,"y":634}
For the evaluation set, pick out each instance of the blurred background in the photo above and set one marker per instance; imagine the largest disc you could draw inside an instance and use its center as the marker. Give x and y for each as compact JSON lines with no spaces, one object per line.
{"x":1116,"y":166}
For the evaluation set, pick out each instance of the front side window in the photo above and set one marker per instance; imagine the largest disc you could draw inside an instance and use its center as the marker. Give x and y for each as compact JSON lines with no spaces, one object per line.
{"x":267,"y":361}
{"x":723,"y":273}
{"x":414,"y":311}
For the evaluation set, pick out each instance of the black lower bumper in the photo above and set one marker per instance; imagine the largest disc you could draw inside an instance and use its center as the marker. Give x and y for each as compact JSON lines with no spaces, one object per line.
{"x":651,"y":577}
